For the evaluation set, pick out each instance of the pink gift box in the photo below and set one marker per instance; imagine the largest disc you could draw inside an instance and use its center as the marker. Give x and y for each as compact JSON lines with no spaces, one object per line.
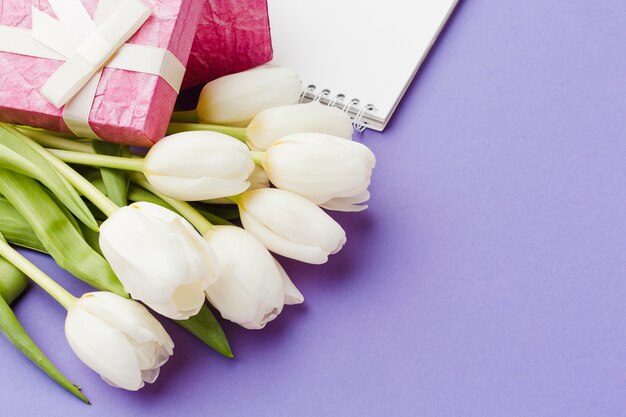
{"x":130,"y":107}
{"x":233,"y":36}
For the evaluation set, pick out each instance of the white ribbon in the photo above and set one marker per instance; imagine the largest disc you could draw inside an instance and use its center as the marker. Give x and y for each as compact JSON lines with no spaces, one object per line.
{"x":87,"y":46}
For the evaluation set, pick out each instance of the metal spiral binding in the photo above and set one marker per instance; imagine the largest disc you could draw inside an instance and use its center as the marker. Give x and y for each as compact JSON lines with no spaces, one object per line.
{"x":352,"y":107}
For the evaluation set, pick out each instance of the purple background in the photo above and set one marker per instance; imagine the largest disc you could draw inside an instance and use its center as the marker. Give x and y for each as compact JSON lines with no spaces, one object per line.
{"x":487,"y":279}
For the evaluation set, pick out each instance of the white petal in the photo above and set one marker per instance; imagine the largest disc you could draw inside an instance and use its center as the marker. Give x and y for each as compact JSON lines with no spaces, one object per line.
{"x":197,"y":153}
{"x":272,"y":124}
{"x":150,"y":375}
{"x":170,"y":310}
{"x":247,"y":257}
{"x":236,"y":303}
{"x":337,"y":205}
{"x":128,"y":316}
{"x":154,"y":251}
{"x":294,"y":217}
{"x":103,"y":348}
{"x":198,"y":188}
{"x":292,"y":294}
{"x":282,"y":246}
{"x":237,"y":98}
{"x":249,"y":290}
{"x":348,"y":204}
{"x":145,"y":354}
{"x":319,"y":167}
{"x":199,"y":165}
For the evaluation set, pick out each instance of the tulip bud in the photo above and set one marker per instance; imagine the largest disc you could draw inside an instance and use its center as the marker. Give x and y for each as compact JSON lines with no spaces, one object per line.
{"x":290,"y":225}
{"x":199,"y":165}
{"x":117,"y":338}
{"x":250,"y":290}
{"x":332,"y":172}
{"x":235,"y":99}
{"x":272,"y":124}
{"x":159,"y":258}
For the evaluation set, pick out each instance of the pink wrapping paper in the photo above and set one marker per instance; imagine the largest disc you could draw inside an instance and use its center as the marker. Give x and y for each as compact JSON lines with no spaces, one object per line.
{"x":131,"y":108}
{"x":233,"y":36}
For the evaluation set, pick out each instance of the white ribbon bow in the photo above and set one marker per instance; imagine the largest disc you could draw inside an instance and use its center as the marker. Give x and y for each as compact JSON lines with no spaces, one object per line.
{"x":87,"y":46}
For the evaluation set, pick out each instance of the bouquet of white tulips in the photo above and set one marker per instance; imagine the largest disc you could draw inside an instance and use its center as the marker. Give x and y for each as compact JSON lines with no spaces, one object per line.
{"x":194,"y":219}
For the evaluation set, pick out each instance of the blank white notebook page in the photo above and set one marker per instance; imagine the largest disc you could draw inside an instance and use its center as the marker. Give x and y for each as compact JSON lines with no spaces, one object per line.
{"x":367,"y":50}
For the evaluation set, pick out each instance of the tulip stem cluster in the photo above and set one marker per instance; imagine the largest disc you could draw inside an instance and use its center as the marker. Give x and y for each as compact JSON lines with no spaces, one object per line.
{"x":81,"y":184}
{"x":105,"y":161}
{"x":50,"y":140}
{"x":239,"y":133}
{"x":84,"y":187}
{"x":39,"y":277}
{"x":202,"y":225}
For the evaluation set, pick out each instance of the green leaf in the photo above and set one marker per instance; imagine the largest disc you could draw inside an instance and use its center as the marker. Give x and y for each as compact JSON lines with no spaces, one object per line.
{"x":115,"y":180}
{"x":17,"y":155}
{"x":92,"y":238}
{"x":11,"y":328}
{"x":224,"y":211}
{"x":89,"y":173}
{"x":66,"y":212}
{"x":19,"y":232}
{"x":56,"y":233}
{"x":205,"y":327}
{"x":12,"y":281}
{"x":212,"y":218}
{"x":16,"y":229}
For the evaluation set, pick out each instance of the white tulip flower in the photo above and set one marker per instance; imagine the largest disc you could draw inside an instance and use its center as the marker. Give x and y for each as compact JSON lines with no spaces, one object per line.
{"x":250,"y":290}
{"x":290,"y":225}
{"x":274,"y":123}
{"x":332,"y":172}
{"x":117,"y":338}
{"x":235,"y":99}
{"x":193,"y":166}
{"x":159,"y":258}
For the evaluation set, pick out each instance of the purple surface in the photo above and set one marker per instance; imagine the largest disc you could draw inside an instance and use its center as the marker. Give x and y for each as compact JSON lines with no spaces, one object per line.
{"x":487,"y":279}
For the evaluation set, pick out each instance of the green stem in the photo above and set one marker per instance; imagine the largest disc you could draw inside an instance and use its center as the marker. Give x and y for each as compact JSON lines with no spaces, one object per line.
{"x":189,"y":116}
{"x":185,"y":209}
{"x":83,"y":186}
{"x":51,"y":141}
{"x":235,"y":132}
{"x":37,"y":275}
{"x":104,"y":161}
{"x":257,"y":157}
{"x":51,"y":132}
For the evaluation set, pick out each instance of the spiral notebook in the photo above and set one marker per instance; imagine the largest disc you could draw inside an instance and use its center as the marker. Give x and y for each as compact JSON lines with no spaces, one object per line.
{"x":359,"y":55}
